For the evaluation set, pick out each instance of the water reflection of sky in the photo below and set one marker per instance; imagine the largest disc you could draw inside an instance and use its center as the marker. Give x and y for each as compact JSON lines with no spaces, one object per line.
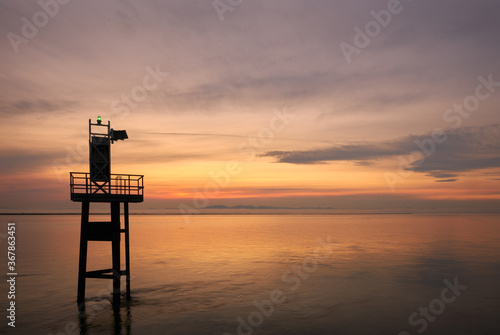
{"x":200,"y":277}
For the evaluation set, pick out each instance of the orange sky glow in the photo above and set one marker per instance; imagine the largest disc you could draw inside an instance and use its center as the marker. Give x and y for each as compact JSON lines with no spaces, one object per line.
{"x":274,"y":114}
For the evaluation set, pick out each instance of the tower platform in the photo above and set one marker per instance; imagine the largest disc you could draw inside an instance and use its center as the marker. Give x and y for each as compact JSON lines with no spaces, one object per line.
{"x":118,"y":188}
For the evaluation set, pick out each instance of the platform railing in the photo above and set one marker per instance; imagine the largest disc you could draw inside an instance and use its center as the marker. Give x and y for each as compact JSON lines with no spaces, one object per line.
{"x":118,"y":184}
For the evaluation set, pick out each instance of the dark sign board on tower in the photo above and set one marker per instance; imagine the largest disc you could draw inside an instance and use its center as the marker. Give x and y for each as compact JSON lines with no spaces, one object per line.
{"x":100,"y":159}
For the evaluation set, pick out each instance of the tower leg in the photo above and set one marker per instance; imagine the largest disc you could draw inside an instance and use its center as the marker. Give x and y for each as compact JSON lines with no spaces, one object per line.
{"x":82,"y":268}
{"x":127,"y":249}
{"x":115,"y":246}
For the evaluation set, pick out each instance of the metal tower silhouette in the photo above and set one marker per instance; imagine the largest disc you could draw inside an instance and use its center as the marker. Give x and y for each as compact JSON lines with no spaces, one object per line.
{"x":99,"y":185}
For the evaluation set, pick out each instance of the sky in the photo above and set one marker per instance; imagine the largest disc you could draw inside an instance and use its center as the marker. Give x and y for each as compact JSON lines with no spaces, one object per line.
{"x":355,"y":105}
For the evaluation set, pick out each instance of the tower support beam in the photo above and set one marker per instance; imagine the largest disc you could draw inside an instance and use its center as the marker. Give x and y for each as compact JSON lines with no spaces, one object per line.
{"x":105,"y":231}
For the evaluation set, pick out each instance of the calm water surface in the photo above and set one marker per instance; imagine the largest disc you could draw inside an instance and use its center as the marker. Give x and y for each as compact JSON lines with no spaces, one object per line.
{"x":266,"y":274}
